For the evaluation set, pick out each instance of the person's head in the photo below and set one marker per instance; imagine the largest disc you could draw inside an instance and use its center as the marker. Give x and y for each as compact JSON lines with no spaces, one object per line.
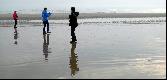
{"x":45,"y":8}
{"x":15,"y":11}
{"x":72,"y":9}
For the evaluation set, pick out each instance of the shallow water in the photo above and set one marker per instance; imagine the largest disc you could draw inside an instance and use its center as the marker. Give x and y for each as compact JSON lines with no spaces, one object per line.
{"x":102,"y":51}
{"x":144,"y":20}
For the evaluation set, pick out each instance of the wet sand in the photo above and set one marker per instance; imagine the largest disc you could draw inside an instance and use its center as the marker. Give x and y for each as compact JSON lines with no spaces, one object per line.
{"x":106,"y":51}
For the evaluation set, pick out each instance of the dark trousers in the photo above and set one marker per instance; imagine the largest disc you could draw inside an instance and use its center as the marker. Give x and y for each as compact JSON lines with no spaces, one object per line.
{"x":73,"y":34}
{"x":15,"y":23}
{"x":46,"y":23}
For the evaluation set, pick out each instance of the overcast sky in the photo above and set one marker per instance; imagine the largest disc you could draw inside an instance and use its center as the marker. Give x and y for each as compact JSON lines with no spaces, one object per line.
{"x":84,"y":5}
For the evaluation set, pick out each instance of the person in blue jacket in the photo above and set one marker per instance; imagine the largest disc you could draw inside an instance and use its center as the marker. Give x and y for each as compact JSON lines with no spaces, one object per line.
{"x":45,"y":16}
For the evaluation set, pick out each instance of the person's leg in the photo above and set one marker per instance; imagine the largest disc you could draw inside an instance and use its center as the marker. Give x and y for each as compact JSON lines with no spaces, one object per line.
{"x":73,"y":34}
{"x":72,"y":31}
{"x":44,"y":23}
{"x":15,"y":24}
{"x":48,"y":27}
{"x":74,"y":37}
{"x":15,"y":28}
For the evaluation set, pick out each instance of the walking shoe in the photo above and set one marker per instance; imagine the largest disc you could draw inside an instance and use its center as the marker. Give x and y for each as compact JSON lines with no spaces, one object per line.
{"x":73,"y":42}
{"x":15,"y":32}
{"x":48,"y":32}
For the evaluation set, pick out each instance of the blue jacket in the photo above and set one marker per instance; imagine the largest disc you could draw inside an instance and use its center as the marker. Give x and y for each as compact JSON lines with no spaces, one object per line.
{"x":45,"y":15}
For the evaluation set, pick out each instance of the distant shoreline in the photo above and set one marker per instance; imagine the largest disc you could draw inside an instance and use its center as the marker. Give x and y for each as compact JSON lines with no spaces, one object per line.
{"x":61,"y":16}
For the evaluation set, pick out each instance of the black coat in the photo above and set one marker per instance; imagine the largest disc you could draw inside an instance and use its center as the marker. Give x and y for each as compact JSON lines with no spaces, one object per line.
{"x":73,"y":20}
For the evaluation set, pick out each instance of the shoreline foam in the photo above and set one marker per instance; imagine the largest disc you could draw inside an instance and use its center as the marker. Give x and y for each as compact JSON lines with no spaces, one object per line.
{"x":61,"y":16}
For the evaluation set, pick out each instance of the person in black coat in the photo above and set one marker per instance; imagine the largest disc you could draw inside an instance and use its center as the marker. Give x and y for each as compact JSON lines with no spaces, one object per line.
{"x":73,"y":23}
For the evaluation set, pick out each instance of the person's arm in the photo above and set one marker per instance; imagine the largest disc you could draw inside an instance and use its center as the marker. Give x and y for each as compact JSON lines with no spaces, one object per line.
{"x":42,"y":14}
{"x":17,"y":16}
{"x":49,"y":14}
{"x":45,"y":14}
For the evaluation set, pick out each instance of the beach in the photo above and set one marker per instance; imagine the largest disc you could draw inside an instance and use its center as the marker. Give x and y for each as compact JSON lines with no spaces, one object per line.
{"x":107,"y":48}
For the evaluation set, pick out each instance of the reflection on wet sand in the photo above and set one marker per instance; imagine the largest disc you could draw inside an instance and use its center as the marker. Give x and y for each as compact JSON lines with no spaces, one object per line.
{"x":45,"y":46}
{"x":15,"y":38}
{"x":73,"y":60}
